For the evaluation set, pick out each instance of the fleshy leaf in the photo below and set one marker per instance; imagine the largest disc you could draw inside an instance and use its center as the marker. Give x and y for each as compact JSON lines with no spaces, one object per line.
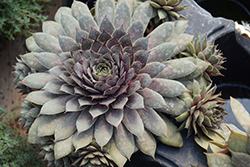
{"x":47,"y":42}
{"x":84,"y":121}
{"x":104,"y":9}
{"x":146,"y":143}
{"x":173,"y":138}
{"x":161,"y":52}
{"x":122,"y":16}
{"x":48,"y":60}
{"x":52,"y":28}
{"x":30,"y":60}
{"x":55,"y":106}
{"x":144,"y":12}
{"x":63,"y":148}
{"x":152,"y":98}
{"x":153,"y":122}
{"x":66,"y":43}
{"x":86,"y":22}
{"x":69,"y":24}
{"x":67,"y":126}
{"x":40,"y":97}
{"x":32,"y":46}
{"x":237,"y":142}
{"x":160,"y":34}
{"x":167,"y":87}
{"x":177,"y":68}
{"x":97,"y":110}
{"x":219,"y":159}
{"x":83,"y":139}
{"x":241,"y":114}
{"x":135,"y":31}
{"x":114,"y":116}
{"x":37,"y":80}
{"x":117,"y":157}
{"x":60,"y":11}
{"x":240,"y":159}
{"x":135,"y":101}
{"x":153,"y":69}
{"x":78,"y":7}
{"x":132,"y":121}
{"x":48,"y":125}
{"x":103,"y":131}
{"x":124,"y":141}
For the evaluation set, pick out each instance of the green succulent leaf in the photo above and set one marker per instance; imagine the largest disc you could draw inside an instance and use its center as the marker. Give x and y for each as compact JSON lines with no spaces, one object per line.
{"x":114,"y":116}
{"x":218,"y":159}
{"x":40,"y":97}
{"x":124,"y":141}
{"x":87,"y":22}
{"x":48,"y":60}
{"x":78,"y":7}
{"x":83,"y":139}
{"x":238,"y":142}
{"x":31,"y":61}
{"x":104,"y":8}
{"x":84,"y":121}
{"x":69,"y":24}
{"x":146,"y":143}
{"x":67,"y":126}
{"x":241,"y":114}
{"x":52,"y":28}
{"x":37,"y":80}
{"x":117,"y":157}
{"x":123,"y":16}
{"x":152,"y":99}
{"x":32,"y":46}
{"x":63,"y":148}
{"x":240,"y":159}
{"x":62,"y":10}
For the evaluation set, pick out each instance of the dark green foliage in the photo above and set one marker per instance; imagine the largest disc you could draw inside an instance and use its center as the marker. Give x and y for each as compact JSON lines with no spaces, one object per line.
{"x":20,"y":17}
{"x":14,"y":150}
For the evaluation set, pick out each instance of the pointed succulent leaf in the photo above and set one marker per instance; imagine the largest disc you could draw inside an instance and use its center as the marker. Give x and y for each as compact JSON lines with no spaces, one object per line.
{"x":140,"y":44}
{"x":73,"y":105}
{"x":63,"y":148}
{"x":161,"y":52}
{"x":53,"y":86}
{"x":32,"y":46}
{"x":237,"y":142}
{"x":104,"y":9}
{"x":67,"y":126}
{"x":241,"y":114}
{"x":240,"y":159}
{"x":32,"y":134}
{"x":55,"y":106}
{"x":135,"y":31}
{"x":120,"y":102}
{"x":135,"y":101}
{"x":83,"y":139}
{"x":179,"y":28}
{"x":152,"y":98}
{"x":167,"y":87}
{"x":86,"y":22}
{"x":97,"y":110}
{"x":174,"y":106}
{"x":133,"y":122}
{"x":218,"y":159}
{"x":48,"y":60}
{"x":40,"y":97}
{"x":212,"y":148}
{"x":114,"y":116}
{"x":37,"y":80}
{"x":173,"y":138}
{"x":146,"y":143}
{"x":153,"y":122}
{"x":122,"y":16}
{"x":144,"y":12}
{"x":84,"y":121}
{"x":30,"y":60}
{"x":177,"y":68}
{"x":162,"y":14}
{"x":203,"y":141}
{"x":117,"y":157}
{"x":66,"y":43}
{"x":103,"y":131}
{"x":107,"y":25}
{"x":47,"y":42}
{"x":69,"y":24}
{"x":124,"y":141}
{"x":78,"y":7}
{"x":48,"y":125}
{"x":160,"y":34}
{"x":153,"y":69}
{"x":60,"y":11}
{"x":182,"y":42}
{"x":52,"y":28}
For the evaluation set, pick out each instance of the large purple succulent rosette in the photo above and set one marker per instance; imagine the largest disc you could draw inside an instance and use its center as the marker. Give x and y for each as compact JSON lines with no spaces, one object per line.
{"x":100,"y":78}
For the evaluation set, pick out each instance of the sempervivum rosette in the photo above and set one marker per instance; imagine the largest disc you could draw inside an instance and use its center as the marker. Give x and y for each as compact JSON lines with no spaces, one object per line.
{"x":104,"y":80}
{"x":205,"y":110}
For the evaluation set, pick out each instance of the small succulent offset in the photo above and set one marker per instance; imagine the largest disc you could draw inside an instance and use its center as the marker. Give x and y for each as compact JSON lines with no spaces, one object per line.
{"x":205,"y":109}
{"x":229,"y":145}
{"x":206,"y":50}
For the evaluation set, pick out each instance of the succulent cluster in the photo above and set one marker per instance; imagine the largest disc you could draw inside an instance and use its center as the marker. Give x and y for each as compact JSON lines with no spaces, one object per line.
{"x":97,"y":88}
{"x":229,"y":146}
{"x":206,"y":50}
{"x":205,"y":109}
